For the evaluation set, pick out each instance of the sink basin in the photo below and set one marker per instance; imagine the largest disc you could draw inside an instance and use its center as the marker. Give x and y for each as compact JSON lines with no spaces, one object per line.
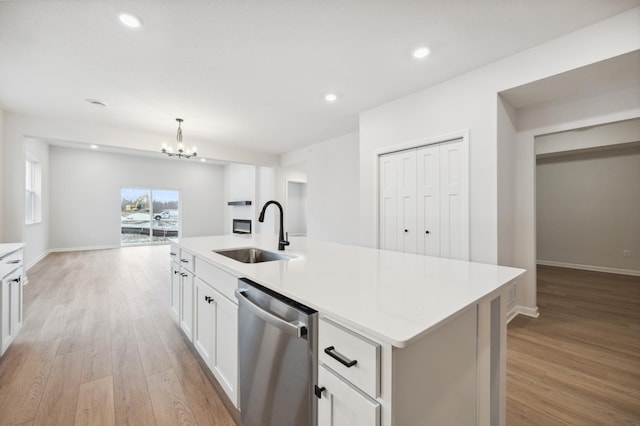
{"x":252,"y":255}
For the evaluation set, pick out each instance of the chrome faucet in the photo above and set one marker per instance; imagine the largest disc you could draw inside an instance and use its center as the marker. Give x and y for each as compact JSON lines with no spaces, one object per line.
{"x":282,"y":242}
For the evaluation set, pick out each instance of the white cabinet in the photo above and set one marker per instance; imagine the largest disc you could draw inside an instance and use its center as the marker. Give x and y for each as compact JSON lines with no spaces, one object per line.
{"x":202,"y":301}
{"x":186,"y":302}
{"x":424,"y":200}
{"x":11,"y":297}
{"x":203,"y":331}
{"x":348,"y":377}
{"x":225,"y":361}
{"x":215,"y":336}
{"x":181,"y":291}
{"x":174,"y":292}
{"x":341,"y":404}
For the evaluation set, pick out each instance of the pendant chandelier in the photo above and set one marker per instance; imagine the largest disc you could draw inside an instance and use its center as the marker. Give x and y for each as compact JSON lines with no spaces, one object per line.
{"x":179,"y":152}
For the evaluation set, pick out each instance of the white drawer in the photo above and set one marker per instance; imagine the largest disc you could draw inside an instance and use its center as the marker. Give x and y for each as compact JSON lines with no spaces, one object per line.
{"x":348,"y":346}
{"x":220,"y":280}
{"x":10,"y":262}
{"x":187,"y":260}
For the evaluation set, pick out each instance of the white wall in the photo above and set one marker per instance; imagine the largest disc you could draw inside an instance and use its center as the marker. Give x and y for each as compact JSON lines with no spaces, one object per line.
{"x":332,"y":177}
{"x":470,"y":102}
{"x":588,"y":209}
{"x":507,"y":197}
{"x":244,"y":182}
{"x":1,"y":174}
{"x":542,"y":120}
{"x":239,"y":185}
{"x":17,"y":127}
{"x":85,"y":194}
{"x":297,"y":208}
{"x":36,"y":235}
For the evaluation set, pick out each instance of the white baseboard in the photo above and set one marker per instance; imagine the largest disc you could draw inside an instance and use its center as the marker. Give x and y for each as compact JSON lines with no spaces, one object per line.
{"x":522,"y":310}
{"x":60,"y":250}
{"x":632,"y":272}
{"x":35,"y":261}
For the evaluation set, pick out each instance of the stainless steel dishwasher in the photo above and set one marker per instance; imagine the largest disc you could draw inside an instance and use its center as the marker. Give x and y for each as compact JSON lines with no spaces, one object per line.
{"x":278,"y":358}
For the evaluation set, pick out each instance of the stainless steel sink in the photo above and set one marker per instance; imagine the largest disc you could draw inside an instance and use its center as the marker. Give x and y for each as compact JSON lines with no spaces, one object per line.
{"x":252,"y":255}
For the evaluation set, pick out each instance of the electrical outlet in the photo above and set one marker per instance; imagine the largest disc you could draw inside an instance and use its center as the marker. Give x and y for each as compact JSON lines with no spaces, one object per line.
{"x":626,"y":253}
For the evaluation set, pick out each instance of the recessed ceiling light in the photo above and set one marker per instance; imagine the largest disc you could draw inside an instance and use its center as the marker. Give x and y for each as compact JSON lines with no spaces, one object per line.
{"x":204,"y":160}
{"x":94,"y":146}
{"x":331,"y":97}
{"x":130,"y":20}
{"x":421,"y":52}
{"x":96,"y":102}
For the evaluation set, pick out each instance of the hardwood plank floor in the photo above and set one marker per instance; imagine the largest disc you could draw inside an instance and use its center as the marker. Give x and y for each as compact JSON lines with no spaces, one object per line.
{"x":98,"y":347}
{"x":579,"y":363}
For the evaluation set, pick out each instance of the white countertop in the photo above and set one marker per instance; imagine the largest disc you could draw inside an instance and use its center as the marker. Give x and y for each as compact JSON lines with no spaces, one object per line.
{"x":393,"y":296}
{"x":7,"y":248}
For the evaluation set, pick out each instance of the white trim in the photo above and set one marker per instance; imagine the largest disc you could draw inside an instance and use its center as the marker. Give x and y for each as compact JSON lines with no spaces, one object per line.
{"x":60,"y":250}
{"x":460,"y":134}
{"x":632,"y":272}
{"x":35,"y":261}
{"x":522,"y":310}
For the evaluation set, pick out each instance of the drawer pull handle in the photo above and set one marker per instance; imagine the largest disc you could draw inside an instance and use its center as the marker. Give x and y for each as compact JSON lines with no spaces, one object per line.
{"x":184,"y":274}
{"x":176,"y":272}
{"x":184,"y":261}
{"x":13,"y":262}
{"x":16,"y":280}
{"x":318,"y":391}
{"x":172,"y":253}
{"x":208,"y":299}
{"x":331,"y":351}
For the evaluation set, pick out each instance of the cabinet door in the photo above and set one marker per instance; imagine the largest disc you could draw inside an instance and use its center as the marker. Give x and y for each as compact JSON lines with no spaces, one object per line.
{"x":186,"y":305}
{"x":16,"y":302}
{"x":5,"y":312}
{"x":428,"y":200}
{"x":343,"y":405}
{"x":203,"y":332}
{"x":225,"y":360}
{"x":174,"y":295}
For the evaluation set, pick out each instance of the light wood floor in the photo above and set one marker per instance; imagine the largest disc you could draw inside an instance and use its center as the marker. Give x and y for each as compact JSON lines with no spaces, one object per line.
{"x":579,"y":363}
{"x":98,"y":347}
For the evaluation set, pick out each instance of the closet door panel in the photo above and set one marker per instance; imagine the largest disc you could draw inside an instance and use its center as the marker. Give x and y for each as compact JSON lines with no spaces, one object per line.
{"x":452,"y":214}
{"x":407,"y":201}
{"x":389,"y":223}
{"x":428,"y":200}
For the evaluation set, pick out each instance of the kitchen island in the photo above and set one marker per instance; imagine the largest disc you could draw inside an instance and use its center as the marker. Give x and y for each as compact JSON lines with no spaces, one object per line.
{"x":433,"y":328}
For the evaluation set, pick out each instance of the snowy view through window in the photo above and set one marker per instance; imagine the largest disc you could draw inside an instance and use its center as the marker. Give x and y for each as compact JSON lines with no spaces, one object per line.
{"x":148,"y":215}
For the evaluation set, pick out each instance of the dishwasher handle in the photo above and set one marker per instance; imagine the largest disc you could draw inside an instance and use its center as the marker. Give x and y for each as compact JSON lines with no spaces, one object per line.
{"x":294,"y":328}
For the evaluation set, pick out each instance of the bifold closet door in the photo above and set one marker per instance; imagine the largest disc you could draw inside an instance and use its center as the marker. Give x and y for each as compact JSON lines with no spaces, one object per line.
{"x":424,"y":200}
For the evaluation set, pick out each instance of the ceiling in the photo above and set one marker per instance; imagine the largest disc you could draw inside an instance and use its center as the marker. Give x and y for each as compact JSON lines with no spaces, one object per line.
{"x":618,"y":73}
{"x":253,"y":74}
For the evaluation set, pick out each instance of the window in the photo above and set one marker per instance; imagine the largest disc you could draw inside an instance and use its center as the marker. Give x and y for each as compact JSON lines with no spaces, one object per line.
{"x":148,"y":215}
{"x":33,"y":190}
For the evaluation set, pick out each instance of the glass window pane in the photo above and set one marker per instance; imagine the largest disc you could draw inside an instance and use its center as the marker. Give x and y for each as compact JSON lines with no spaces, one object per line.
{"x":165,"y":214}
{"x":135,"y":214}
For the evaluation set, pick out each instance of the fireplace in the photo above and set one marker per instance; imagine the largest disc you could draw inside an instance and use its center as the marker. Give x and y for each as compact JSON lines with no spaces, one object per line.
{"x":241,"y":226}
